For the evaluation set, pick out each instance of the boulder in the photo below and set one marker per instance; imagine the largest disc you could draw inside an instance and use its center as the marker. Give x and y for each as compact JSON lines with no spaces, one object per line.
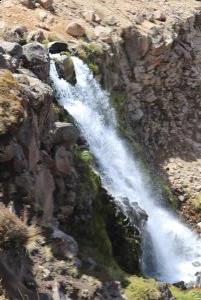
{"x":13,"y":49}
{"x":16,"y":34}
{"x":136,"y":215}
{"x":65,"y":133}
{"x":57,"y":47}
{"x":75,"y":29}
{"x":65,"y":68}
{"x":36,"y":36}
{"x":36,"y":59}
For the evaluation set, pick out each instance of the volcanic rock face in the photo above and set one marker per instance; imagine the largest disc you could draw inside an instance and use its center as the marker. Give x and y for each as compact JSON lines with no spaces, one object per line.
{"x":150,"y":61}
{"x":42,"y":174}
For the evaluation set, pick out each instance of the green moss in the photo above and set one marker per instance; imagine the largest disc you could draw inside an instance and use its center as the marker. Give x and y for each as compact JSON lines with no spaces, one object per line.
{"x":67,"y":53}
{"x":165,"y":190}
{"x":196,"y":202}
{"x":89,"y":175}
{"x":100,"y":235}
{"x":118,"y":99}
{"x":45,"y":42}
{"x":142,"y":289}
{"x":193,"y":294}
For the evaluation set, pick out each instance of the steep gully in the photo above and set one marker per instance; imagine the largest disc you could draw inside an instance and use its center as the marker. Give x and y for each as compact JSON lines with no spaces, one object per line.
{"x":171,"y":251}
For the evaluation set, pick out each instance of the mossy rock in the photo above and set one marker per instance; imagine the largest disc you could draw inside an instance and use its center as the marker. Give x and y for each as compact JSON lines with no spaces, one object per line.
{"x":90,"y":54}
{"x":11,"y":108}
{"x":100,"y":235}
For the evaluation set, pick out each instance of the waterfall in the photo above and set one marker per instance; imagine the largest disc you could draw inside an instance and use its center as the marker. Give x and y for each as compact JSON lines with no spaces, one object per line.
{"x":171,"y":251}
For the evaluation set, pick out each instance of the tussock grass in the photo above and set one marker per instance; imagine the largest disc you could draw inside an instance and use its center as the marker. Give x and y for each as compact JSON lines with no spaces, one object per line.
{"x":14,"y":233}
{"x":11,"y":109}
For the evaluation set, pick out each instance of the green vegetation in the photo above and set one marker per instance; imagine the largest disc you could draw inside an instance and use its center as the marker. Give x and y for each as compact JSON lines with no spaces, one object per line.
{"x":165,"y":190}
{"x":11,"y":109}
{"x":142,"y":289}
{"x":99,"y":237}
{"x":197,"y":202}
{"x":61,"y":114}
{"x":118,"y":99}
{"x":193,"y":294}
{"x":89,"y":52}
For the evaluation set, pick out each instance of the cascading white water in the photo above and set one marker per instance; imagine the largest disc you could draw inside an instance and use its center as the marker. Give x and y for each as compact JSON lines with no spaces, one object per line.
{"x":176,"y":249}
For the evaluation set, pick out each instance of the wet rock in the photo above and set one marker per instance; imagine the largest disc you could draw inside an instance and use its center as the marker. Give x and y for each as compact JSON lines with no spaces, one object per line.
{"x":137,"y":216}
{"x":75,"y":29}
{"x":57,"y":47}
{"x":36,"y":59}
{"x":65,"y":133}
{"x":65,"y":68}
{"x":180,"y":285}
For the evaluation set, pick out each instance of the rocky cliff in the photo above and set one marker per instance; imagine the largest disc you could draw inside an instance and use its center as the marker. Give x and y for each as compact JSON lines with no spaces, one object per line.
{"x":67,"y":229}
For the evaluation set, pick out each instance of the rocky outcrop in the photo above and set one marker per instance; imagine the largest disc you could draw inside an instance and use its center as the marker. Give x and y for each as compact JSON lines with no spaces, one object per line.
{"x":47,"y":176}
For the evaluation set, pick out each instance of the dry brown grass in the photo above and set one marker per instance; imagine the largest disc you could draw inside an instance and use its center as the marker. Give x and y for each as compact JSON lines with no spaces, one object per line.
{"x":11,"y":109}
{"x":14,"y":233}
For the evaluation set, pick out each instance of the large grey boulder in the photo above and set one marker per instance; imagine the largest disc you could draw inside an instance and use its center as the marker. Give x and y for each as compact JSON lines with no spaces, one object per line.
{"x":36,"y":59}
